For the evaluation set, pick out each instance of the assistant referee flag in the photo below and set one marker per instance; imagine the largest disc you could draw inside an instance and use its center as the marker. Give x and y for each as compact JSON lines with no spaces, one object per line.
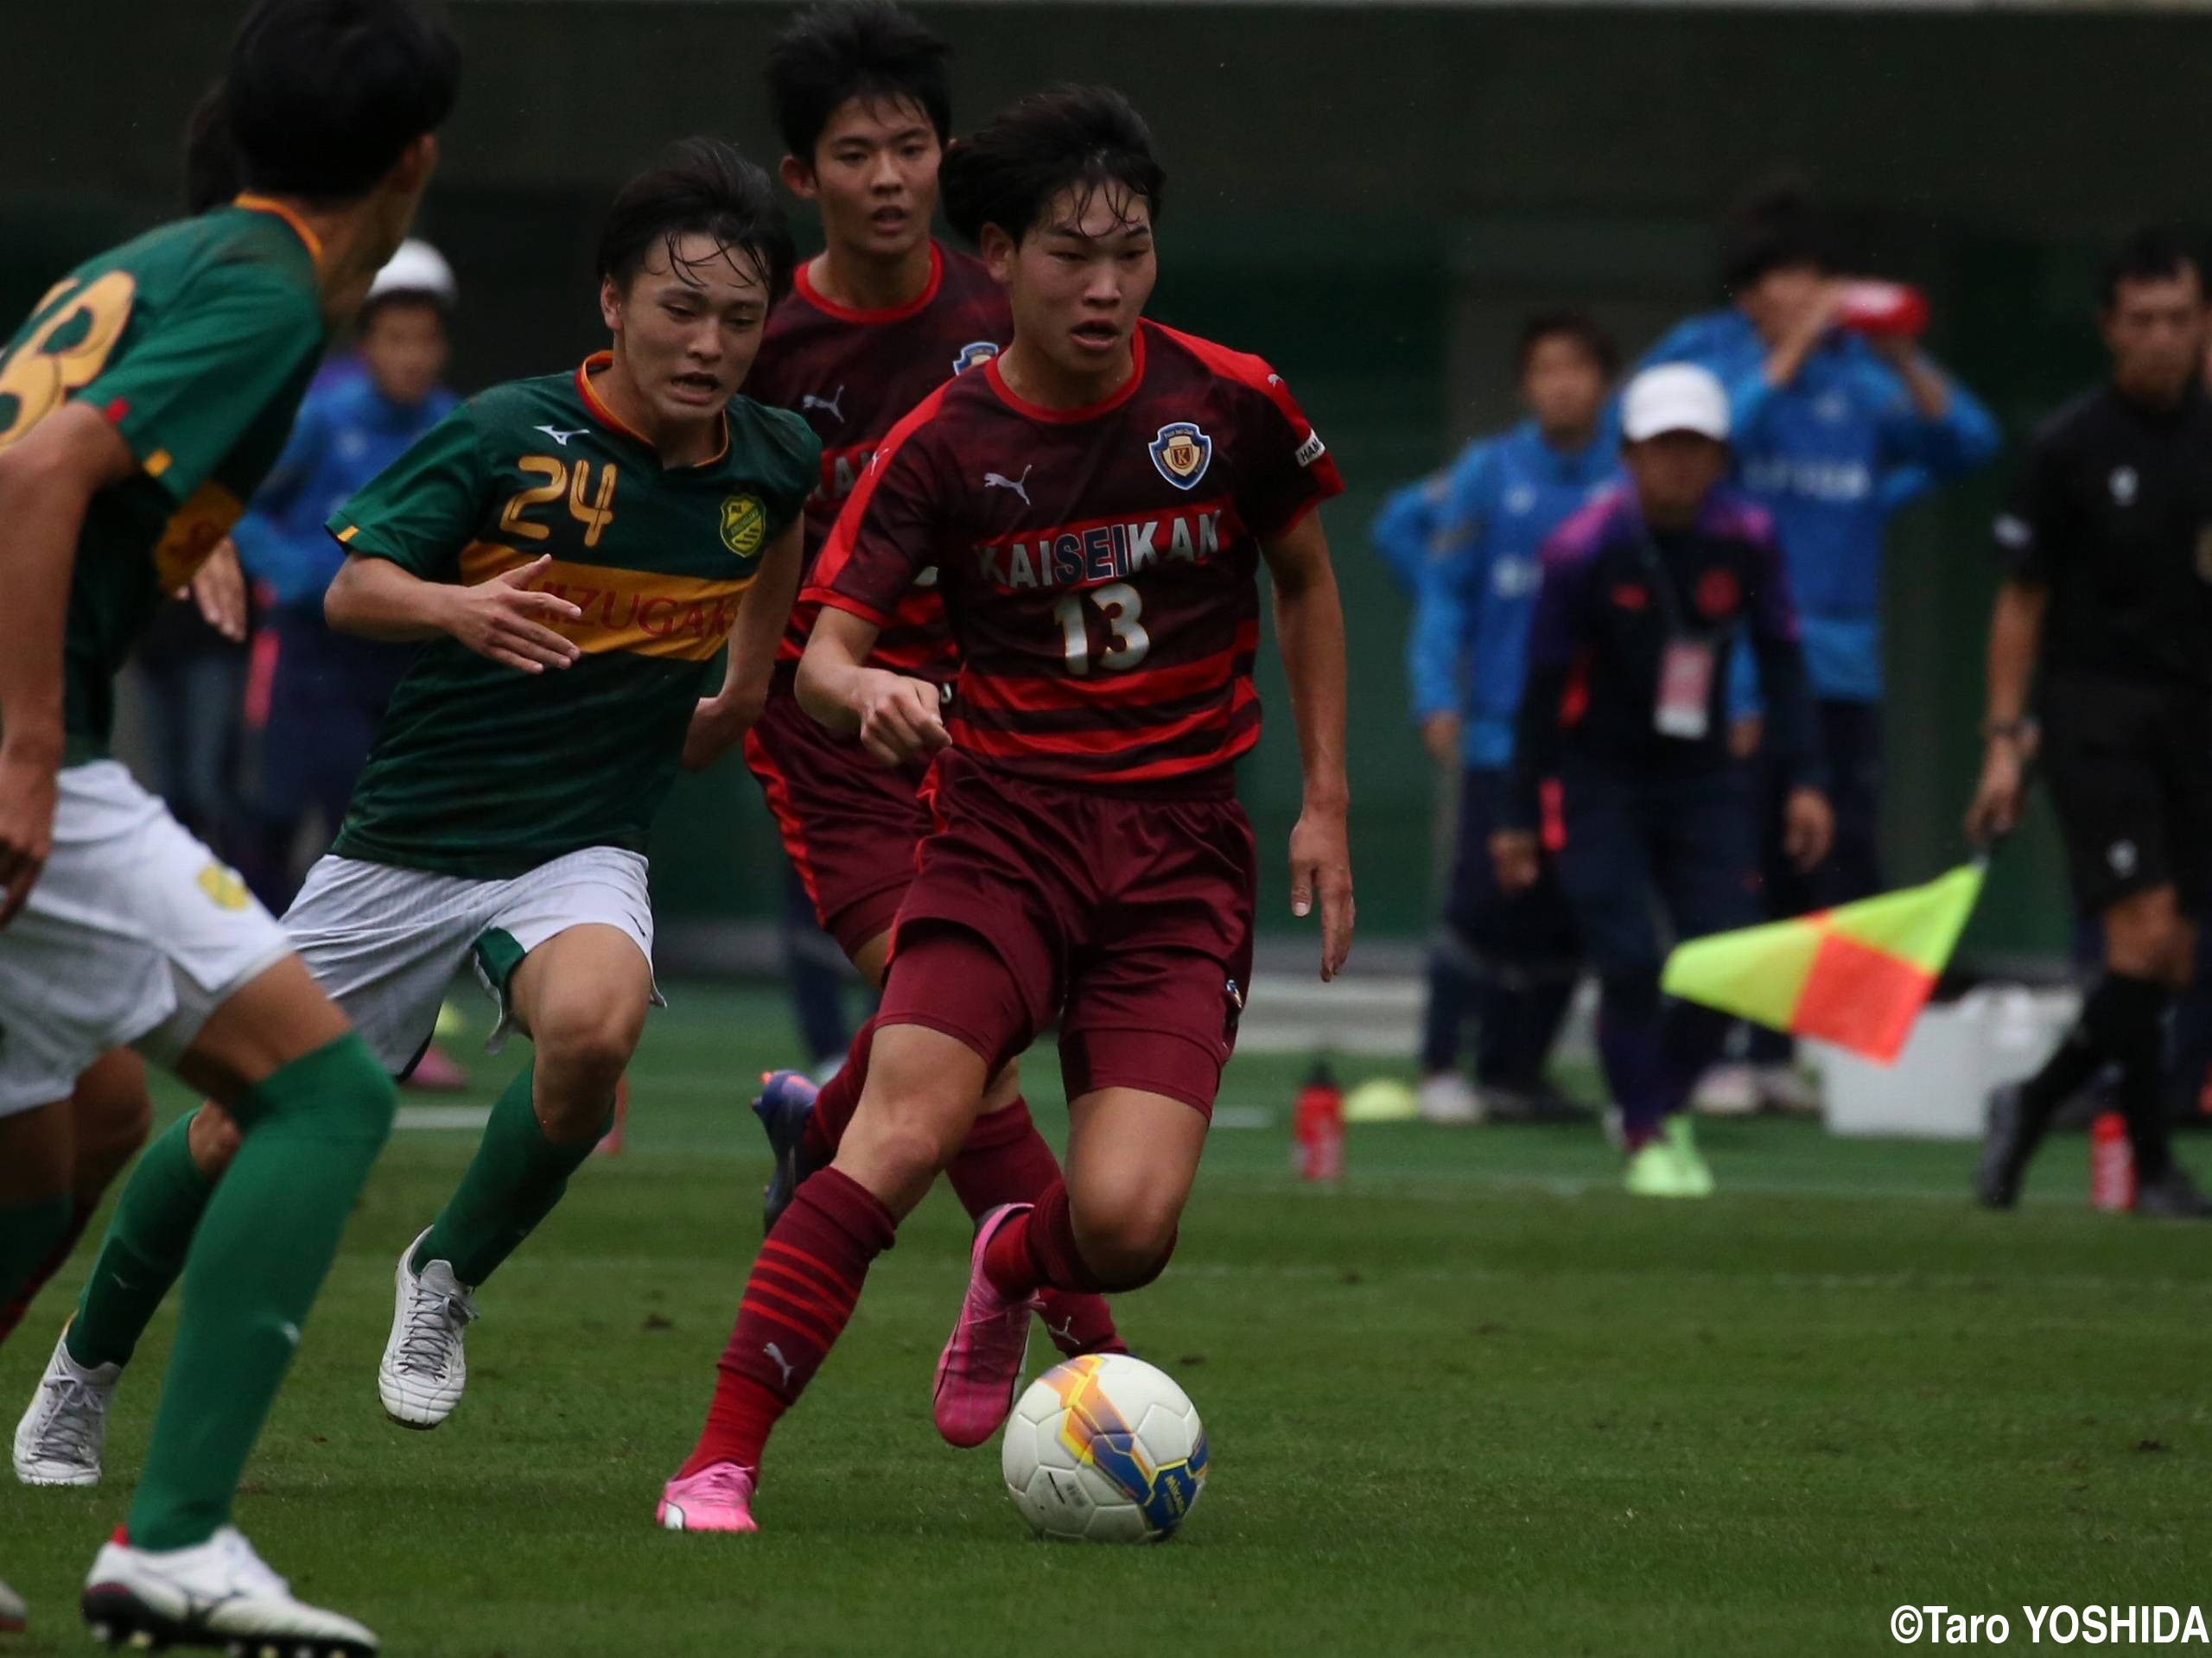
{"x":1856,"y":975}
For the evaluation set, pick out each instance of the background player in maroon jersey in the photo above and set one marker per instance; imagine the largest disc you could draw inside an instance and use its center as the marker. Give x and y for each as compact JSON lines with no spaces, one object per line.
{"x":1096,"y":502}
{"x":876,"y":322}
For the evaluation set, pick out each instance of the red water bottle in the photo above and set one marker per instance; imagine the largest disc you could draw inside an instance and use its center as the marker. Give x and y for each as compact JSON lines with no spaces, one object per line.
{"x":1317,"y":1127}
{"x":1883,"y":307}
{"x":610,"y":1143}
{"x":2112,"y":1164}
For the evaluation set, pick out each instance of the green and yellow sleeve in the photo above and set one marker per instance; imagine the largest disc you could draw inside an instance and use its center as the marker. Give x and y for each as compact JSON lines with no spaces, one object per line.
{"x":184,"y":393}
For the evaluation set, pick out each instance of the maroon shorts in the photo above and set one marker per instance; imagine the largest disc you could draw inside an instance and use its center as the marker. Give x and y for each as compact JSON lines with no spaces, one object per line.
{"x":849,"y":822}
{"x":1129,"y":917}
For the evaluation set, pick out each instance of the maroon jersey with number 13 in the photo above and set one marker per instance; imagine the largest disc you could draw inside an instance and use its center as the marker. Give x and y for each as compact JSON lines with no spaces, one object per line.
{"x":1098,"y":566}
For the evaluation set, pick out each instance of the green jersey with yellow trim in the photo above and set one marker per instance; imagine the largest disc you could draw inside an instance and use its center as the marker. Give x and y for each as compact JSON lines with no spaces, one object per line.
{"x":484,"y":770}
{"x":196,"y":341}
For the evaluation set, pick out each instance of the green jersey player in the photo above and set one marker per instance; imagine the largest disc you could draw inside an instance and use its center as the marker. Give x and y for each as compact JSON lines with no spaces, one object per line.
{"x":574,"y":550}
{"x":140,"y":403}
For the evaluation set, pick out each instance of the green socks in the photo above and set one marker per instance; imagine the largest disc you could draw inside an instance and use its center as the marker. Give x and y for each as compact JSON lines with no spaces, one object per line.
{"x":512,"y":1182}
{"x":143,"y":1251}
{"x":265,"y":1242}
{"x":27,"y":1234}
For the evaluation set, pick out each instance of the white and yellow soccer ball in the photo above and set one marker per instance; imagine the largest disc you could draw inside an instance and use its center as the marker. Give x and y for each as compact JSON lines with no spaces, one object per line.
{"x":1104,"y":1449}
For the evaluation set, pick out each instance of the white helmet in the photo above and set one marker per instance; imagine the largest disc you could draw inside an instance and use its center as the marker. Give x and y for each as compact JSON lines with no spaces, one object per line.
{"x":417,"y":268}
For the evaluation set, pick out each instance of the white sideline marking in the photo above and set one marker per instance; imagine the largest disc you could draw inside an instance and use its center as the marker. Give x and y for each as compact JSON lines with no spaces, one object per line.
{"x":2053,"y":1285}
{"x":443,"y":1116}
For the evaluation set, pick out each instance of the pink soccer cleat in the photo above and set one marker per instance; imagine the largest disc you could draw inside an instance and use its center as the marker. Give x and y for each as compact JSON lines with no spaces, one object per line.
{"x":981,"y":1366}
{"x":719,"y":1497}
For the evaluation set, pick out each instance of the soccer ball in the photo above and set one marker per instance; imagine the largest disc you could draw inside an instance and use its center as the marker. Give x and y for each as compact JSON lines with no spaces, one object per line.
{"x":1104,"y":1449}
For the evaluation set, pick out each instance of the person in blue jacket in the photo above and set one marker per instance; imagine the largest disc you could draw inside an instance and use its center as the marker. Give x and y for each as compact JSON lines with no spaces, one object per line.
{"x":1833,"y":430}
{"x":1471,"y":537}
{"x":324,"y":692}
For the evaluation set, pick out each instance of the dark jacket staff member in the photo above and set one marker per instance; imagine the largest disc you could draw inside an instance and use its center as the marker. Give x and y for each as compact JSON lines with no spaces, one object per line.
{"x":2108,"y":543}
{"x":1621,"y":753}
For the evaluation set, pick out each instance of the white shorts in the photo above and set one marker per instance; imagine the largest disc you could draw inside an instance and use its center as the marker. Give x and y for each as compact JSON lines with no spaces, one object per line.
{"x":385,"y":943}
{"x":133,"y":935}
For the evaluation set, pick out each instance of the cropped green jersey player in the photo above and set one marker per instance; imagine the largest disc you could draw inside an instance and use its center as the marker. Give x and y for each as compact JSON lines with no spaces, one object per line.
{"x":140,"y":403}
{"x":574,"y":550}
{"x":111,"y":1109}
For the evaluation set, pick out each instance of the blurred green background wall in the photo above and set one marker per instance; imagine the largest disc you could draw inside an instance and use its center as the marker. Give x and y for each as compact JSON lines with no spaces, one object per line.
{"x":1369,"y":196}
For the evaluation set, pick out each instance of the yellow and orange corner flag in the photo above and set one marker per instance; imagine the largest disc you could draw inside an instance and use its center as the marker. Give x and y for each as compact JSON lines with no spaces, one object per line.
{"x":1856,"y":975}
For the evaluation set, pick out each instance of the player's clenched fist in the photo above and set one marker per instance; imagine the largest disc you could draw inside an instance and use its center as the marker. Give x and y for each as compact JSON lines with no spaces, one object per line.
{"x":1514,"y":853}
{"x":503,"y":619}
{"x":901,"y":717}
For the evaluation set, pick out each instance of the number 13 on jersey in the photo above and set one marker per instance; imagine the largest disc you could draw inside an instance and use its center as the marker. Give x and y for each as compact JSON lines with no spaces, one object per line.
{"x":1119,"y":606}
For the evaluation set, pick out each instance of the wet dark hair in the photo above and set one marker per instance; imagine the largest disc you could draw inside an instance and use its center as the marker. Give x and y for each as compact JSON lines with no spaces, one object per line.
{"x":844,"y":49}
{"x":1580,"y":327}
{"x":702,"y":187}
{"x":1086,"y":137}
{"x":2153,"y":253}
{"x":324,"y":96}
{"x":211,"y":161}
{"x":1777,"y":228}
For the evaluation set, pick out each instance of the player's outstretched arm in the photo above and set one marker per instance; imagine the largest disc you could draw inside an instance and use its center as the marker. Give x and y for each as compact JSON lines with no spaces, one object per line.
{"x":897,"y":718}
{"x":501,"y":619}
{"x":1310,"y":629}
{"x":47,"y":482}
{"x":723,"y":719}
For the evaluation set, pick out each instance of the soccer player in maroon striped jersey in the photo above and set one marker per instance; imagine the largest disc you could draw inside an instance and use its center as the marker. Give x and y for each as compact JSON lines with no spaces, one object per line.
{"x":877,"y":322}
{"x":1096,"y":502}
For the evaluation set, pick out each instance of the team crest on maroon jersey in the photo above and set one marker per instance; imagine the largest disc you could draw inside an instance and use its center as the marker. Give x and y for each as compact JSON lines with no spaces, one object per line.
{"x":1182,"y":453}
{"x":975,"y":352}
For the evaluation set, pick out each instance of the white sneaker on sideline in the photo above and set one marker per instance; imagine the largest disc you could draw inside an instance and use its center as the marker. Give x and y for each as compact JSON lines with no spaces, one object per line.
{"x":1447,"y":1096}
{"x":61,"y":1436}
{"x":1728,"y":1090}
{"x":217,"y":1593}
{"x":1785,"y":1088}
{"x":424,"y":1367}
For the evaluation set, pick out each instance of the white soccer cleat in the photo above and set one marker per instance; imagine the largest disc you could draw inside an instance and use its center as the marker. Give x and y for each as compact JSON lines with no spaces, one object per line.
{"x":1728,"y":1090}
{"x":218,"y":1593}
{"x":61,"y":1437}
{"x":13,"y":1613}
{"x":424,"y":1367}
{"x":1447,"y":1096}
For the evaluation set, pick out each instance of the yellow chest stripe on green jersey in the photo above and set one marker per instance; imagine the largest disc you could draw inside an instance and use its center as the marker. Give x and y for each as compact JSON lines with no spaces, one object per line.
{"x":643,"y":611}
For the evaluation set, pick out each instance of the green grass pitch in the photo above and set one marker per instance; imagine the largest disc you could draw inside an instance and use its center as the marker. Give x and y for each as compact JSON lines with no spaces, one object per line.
{"x":1476,"y":1401}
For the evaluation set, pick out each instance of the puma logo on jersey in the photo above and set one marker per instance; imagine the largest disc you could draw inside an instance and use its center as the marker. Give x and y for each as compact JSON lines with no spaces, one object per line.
{"x":828,"y":405}
{"x":782,"y":1363}
{"x":1019,"y":486}
{"x":559,"y":437}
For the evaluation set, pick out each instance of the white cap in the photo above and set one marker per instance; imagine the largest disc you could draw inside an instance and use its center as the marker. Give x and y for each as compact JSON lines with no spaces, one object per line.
{"x":1674,"y":398}
{"x":417,"y":268}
